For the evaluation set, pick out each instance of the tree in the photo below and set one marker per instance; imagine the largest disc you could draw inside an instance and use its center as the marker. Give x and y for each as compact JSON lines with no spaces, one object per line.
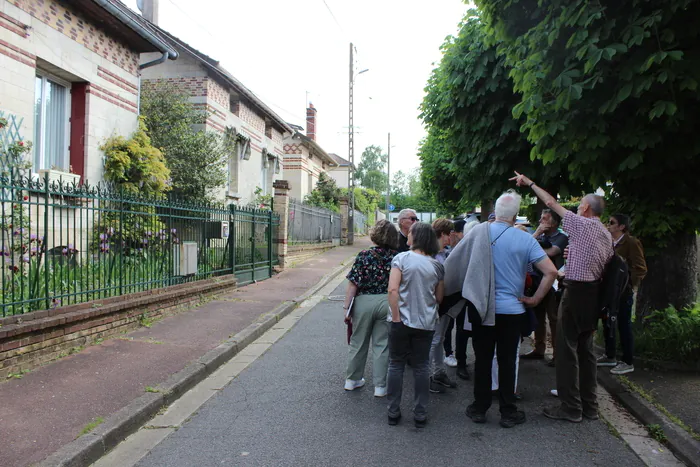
{"x":399,"y":184}
{"x":371,"y":172}
{"x":326,"y":194}
{"x":473,"y":140}
{"x":610,"y":91}
{"x":135,"y":165}
{"x":197,"y":158}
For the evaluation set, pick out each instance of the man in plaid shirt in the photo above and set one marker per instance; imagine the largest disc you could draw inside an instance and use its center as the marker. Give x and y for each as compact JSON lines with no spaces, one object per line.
{"x":590,"y":248}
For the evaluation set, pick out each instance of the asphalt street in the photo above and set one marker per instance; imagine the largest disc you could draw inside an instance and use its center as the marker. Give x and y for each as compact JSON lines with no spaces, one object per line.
{"x":289,"y":408}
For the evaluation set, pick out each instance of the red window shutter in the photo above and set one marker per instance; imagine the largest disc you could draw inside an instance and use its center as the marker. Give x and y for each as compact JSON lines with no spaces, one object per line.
{"x":78,"y":118}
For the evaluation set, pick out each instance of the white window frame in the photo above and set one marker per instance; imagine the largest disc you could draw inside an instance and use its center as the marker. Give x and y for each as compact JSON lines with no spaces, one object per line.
{"x":41,"y":147}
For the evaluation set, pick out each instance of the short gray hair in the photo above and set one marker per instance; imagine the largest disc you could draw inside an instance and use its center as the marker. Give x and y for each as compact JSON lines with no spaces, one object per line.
{"x":508,"y":205}
{"x":403,"y":213}
{"x":597,"y":203}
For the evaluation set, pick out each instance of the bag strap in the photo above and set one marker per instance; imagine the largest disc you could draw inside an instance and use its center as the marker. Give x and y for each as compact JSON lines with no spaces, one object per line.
{"x":499,"y":235}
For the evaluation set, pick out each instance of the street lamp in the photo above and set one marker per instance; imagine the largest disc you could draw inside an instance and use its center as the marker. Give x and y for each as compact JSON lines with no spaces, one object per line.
{"x":351,"y":151}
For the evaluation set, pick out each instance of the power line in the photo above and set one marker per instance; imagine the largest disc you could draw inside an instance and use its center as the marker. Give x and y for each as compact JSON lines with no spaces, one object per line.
{"x":334,"y":18}
{"x":267,"y":101}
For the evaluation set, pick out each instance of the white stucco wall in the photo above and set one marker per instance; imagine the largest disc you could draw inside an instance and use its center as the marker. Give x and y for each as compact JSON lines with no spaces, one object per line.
{"x":111,"y":105}
{"x":340,"y":175}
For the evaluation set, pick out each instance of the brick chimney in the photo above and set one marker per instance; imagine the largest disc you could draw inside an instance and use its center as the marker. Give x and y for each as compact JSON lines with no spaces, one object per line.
{"x":149,"y":10}
{"x":311,"y":122}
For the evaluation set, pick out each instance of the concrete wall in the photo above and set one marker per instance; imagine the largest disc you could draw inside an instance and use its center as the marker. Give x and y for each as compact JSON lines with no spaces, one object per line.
{"x":214,"y":96}
{"x":50,"y":36}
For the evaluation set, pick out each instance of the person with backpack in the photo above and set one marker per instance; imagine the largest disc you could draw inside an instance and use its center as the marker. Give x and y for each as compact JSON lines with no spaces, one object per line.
{"x":415,"y":292}
{"x":590,"y":250}
{"x":630,"y":249}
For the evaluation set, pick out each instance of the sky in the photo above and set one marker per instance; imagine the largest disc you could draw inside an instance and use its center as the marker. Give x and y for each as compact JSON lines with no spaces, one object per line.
{"x":293,"y":52}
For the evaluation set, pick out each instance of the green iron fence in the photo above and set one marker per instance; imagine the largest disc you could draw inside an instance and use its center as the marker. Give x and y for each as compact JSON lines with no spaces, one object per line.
{"x":64,"y":243}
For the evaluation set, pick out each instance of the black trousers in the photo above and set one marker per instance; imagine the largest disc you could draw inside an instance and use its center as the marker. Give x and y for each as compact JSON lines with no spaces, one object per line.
{"x":461,"y":339}
{"x":503,"y":338}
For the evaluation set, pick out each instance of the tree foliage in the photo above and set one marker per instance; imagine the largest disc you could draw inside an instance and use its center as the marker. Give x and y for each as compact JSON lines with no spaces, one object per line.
{"x":135,"y":165}
{"x":197,"y":158}
{"x":407,"y":192}
{"x":611,"y":89}
{"x":473,"y":139}
{"x":371,"y":172}
{"x":325,"y":194}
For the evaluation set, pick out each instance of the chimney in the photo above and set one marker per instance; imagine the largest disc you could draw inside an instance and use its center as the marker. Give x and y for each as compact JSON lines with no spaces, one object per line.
{"x":311,"y":122}
{"x":149,"y":10}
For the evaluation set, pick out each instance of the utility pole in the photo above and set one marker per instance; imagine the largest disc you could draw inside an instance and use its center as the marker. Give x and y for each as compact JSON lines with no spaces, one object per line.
{"x":351,"y":155}
{"x":388,"y":174}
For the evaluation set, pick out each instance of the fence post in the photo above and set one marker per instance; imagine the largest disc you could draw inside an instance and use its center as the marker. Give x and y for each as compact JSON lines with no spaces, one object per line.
{"x":254,"y":215}
{"x":47,"y":193}
{"x":269,"y":243}
{"x":232,"y":238}
{"x":281,"y":207}
{"x":344,"y":211}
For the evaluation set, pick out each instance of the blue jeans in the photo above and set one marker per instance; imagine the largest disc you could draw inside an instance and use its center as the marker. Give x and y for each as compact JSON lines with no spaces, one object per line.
{"x":405,"y":341}
{"x":624,"y":325}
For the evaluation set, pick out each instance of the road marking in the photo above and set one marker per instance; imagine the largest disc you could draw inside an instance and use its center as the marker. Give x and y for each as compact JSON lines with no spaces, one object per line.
{"x":650,"y":451}
{"x":130,"y":451}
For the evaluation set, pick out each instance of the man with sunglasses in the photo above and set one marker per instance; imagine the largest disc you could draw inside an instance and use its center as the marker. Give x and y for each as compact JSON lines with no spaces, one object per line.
{"x":630,"y":249}
{"x":407,"y":217}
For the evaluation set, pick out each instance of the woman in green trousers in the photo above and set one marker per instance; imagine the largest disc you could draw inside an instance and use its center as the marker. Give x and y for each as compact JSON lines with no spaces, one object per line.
{"x":368,"y":281}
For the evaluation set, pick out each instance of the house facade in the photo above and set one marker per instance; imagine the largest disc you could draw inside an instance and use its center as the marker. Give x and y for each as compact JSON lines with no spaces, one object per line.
{"x":304,"y":159}
{"x":69,"y":78}
{"x":340,"y":171}
{"x":256,"y":158}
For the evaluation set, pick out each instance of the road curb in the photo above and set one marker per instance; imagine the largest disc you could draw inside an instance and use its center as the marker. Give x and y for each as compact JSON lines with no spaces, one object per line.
{"x":88,"y":448}
{"x":684,"y":446}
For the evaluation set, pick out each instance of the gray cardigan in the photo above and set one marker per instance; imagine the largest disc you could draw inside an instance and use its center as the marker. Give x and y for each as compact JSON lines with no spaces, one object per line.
{"x":469,"y":268}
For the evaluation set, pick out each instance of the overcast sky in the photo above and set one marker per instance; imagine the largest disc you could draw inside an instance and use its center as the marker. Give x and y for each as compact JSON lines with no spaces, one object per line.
{"x":287,"y":50}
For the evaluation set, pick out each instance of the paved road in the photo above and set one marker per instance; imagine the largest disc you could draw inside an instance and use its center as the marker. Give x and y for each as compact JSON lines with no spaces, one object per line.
{"x":289,"y":408}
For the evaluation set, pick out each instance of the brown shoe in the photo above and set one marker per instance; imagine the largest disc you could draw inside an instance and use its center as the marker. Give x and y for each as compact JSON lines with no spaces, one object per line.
{"x":532,"y":355}
{"x":557,"y":413}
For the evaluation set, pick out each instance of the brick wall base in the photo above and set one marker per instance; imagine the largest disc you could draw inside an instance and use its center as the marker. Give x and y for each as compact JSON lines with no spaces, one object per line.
{"x":30,"y":340}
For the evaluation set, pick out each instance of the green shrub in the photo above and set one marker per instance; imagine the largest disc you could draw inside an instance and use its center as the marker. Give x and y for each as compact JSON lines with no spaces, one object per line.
{"x":670,"y":335}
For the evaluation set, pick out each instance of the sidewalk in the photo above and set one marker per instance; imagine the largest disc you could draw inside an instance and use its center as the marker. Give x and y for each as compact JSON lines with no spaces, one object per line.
{"x":49,"y":407}
{"x":667,"y":400}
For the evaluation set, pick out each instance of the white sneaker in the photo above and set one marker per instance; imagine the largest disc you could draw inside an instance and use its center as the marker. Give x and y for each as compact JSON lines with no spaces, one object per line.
{"x":380,"y":391}
{"x":351,"y":385}
{"x":605,"y":361}
{"x":622,"y":368}
{"x":451,"y":361}
{"x":554,"y":392}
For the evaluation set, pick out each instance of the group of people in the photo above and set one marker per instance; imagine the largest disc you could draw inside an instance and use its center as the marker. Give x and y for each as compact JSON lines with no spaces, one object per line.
{"x":494,"y":283}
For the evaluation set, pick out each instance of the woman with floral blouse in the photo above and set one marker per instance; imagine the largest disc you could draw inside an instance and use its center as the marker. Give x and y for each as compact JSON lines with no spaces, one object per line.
{"x":368,"y":281}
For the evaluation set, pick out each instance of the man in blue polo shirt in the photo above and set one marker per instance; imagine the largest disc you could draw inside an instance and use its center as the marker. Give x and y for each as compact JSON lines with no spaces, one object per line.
{"x":511,"y":250}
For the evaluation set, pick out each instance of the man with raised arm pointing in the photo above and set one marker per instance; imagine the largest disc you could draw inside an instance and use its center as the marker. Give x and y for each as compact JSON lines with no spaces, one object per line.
{"x":590,"y":248}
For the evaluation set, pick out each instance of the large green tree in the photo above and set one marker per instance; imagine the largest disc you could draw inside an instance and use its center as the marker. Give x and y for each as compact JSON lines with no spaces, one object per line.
{"x":610,"y":89}
{"x":371,"y":172}
{"x":473,"y":140}
{"x":196,"y":158}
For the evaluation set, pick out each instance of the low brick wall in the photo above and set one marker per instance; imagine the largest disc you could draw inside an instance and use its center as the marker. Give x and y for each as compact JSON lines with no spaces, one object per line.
{"x":27,"y":341}
{"x":296,"y":253}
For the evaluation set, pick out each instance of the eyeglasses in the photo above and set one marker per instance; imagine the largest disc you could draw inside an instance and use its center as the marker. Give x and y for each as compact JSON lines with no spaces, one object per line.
{"x":612,"y":222}
{"x":414,"y":219}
